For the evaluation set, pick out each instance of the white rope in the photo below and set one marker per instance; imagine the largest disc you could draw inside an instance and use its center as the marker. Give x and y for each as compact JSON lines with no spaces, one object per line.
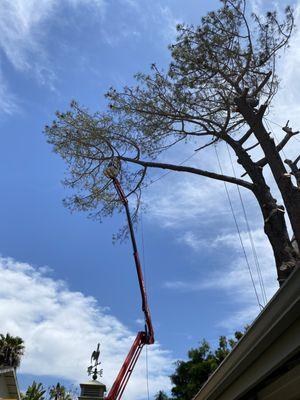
{"x":276,"y":123}
{"x":276,"y":138}
{"x":169,"y":172}
{"x":238,"y":231}
{"x":254,"y":252}
{"x":145,"y":282}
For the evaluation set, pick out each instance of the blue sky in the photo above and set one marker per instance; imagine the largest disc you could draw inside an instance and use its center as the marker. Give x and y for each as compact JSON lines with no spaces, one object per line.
{"x":66,"y":286}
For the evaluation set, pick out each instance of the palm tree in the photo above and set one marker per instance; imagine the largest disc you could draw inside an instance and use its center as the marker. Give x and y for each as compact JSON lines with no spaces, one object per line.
{"x":35,"y":391}
{"x":11,"y":350}
{"x":59,"y":392}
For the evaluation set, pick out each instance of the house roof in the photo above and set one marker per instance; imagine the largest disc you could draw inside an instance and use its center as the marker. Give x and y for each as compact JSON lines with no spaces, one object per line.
{"x":271,"y":340}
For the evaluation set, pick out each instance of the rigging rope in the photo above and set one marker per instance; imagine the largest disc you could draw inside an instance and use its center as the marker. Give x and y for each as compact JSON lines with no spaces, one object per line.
{"x":237,"y":227}
{"x":145,"y":281}
{"x":167,"y":173}
{"x":256,"y":260}
{"x":147,"y":374}
{"x":238,"y":231}
{"x":276,"y":123}
{"x":277,"y":140}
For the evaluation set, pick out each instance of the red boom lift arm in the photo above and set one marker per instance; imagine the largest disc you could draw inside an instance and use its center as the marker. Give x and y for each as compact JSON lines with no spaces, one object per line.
{"x":143,"y":337}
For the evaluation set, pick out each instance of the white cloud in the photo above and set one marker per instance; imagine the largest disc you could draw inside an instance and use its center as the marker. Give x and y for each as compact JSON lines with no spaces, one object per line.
{"x":198,"y":210}
{"x":235,"y":278}
{"x":191,"y":239}
{"x":184,"y":198}
{"x":61,"y":328}
{"x":23,"y":25}
{"x":256,"y":6}
{"x":137,"y":20}
{"x":8,"y":102}
{"x":17,"y":22}
{"x":23,"y":28}
{"x":170,"y":23}
{"x":286,"y":103}
{"x":236,"y":275}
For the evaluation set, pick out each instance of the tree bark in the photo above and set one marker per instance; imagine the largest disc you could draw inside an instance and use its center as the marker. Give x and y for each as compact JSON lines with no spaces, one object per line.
{"x":275,"y":228}
{"x":274,"y":221}
{"x":290,"y":193}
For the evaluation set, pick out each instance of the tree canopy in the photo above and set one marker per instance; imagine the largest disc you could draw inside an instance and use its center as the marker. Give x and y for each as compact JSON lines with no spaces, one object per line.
{"x":218,"y":87}
{"x":190,"y":375}
{"x":11,"y":350}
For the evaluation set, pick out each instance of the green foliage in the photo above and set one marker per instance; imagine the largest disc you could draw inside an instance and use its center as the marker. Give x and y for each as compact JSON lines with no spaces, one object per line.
{"x":190,"y":375}
{"x":35,"y":391}
{"x":11,"y":350}
{"x":161,"y":395}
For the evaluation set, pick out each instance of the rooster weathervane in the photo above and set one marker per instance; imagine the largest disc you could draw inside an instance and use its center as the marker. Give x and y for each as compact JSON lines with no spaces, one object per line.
{"x":92,"y":369}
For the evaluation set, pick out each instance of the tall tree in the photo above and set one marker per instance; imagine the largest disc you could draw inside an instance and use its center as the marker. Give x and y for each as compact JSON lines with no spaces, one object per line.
{"x":11,"y":350}
{"x":35,"y":391}
{"x":219,"y":86}
{"x":190,"y":375}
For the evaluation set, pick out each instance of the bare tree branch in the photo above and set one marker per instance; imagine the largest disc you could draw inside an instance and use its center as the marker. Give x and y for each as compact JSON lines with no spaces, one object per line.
{"x":196,"y":171}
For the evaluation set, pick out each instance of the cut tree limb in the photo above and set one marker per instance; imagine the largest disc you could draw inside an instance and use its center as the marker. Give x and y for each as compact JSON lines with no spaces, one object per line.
{"x":196,"y":171}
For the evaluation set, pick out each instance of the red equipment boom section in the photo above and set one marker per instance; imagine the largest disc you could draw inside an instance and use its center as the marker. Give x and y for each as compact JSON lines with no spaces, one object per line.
{"x":143,"y":337}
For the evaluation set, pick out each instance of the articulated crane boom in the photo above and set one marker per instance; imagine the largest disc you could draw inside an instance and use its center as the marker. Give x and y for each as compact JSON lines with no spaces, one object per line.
{"x":145,"y":337}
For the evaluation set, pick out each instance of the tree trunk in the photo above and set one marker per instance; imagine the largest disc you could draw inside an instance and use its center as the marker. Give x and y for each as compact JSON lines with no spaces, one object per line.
{"x":290,"y":193}
{"x":274,"y":221}
{"x":275,"y":228}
